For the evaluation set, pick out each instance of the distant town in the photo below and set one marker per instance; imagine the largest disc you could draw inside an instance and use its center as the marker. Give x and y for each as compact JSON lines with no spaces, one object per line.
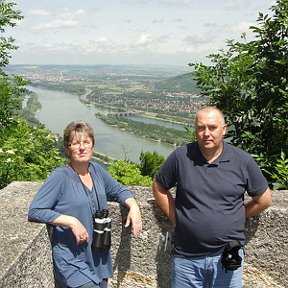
{"x":166,"y":92}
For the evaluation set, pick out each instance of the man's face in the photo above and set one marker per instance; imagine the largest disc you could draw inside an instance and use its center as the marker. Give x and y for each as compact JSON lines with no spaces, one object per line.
{"x":209,"y":129}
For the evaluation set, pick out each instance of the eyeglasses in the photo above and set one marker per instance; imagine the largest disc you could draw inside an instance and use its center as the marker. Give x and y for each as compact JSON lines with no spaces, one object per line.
{"x":79,"y":144}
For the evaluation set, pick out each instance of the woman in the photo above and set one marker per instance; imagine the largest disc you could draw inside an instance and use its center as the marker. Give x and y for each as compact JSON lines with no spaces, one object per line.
{"x":68,"y":200}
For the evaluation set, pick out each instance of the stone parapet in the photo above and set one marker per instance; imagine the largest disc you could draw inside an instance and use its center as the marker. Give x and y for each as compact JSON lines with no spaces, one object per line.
{"x":138,"y":262}
{"x":25,"y":258}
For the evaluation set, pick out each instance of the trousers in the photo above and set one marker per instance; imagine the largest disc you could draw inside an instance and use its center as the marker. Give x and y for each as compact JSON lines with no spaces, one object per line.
{"x":91,"y":284}
{"x":205,"y":272}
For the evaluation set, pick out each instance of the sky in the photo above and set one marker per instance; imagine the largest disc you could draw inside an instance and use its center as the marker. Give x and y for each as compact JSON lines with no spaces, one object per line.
{"x":131,"y":32}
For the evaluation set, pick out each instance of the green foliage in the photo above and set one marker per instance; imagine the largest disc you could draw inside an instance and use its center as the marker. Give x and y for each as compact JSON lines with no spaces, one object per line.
{"x":249,"y":83}
{"x":10,"y":100}
{"x":191,"y":134}
{"x":181,"y":83}
{"x":128,"y":174}
{"x":10,"y":87}
{"x":279,"y":175}
{"x":30,"y":159}
{"x":32,"y":106}
{"x":8,"y":17}
{"x":150,"y":163}
{"x":26,"y":152}
{"x":133,"y":174}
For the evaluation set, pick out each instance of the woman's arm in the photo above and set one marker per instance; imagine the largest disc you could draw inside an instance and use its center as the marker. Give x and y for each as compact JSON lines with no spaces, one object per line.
{"x":134,"y":216}
{"x":75,"y":225}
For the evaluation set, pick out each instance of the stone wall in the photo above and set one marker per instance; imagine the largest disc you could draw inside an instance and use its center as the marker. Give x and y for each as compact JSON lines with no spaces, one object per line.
{"x":138,"y":262}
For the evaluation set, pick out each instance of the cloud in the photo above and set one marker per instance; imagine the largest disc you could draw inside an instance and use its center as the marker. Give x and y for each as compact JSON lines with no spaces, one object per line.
{"x":80,"y":12}
{"x":144,"y":40}
{"x":38,"y":12}
{"x":155,"y":21}
{"x":55,"y":24}
{"x":196,"y":39}
{"x":163,"y":38}
{"x":176,"y":2}
{"x":139,"y":29}
{"x":178,"y":20}
{"x":241,"y":27}
{"x":101,"y":44}
{"x":192,"y":28}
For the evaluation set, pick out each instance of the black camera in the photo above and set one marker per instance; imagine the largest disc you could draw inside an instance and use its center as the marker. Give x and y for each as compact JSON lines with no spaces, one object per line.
{"x":101,"y":231}
{"x":231,"y":260}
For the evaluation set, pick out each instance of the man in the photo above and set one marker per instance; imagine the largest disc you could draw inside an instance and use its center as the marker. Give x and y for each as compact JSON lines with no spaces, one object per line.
{"x":208,"y":213}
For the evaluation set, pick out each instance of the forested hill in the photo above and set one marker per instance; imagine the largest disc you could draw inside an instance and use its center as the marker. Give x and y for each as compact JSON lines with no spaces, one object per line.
{"x":180,"y":83}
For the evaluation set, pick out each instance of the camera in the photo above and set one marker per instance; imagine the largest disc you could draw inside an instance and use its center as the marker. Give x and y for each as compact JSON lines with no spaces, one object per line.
{"x":101,"y":231}
{"x":231,"y":260}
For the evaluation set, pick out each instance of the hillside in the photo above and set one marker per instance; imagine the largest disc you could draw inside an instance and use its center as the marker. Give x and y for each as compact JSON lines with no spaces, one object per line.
{"x":181,"y":83}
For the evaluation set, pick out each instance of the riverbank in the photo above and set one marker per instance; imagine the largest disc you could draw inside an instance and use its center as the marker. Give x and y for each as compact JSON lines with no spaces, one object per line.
{"x":152,"y":131}
{"x":83,"y":97}
{"x":104,"y":159}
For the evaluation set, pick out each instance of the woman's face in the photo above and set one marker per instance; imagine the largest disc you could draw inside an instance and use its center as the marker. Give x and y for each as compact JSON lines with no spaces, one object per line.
{"x":80,"y":148}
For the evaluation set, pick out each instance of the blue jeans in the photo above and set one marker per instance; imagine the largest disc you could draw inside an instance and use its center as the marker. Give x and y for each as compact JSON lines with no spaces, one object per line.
{"x":205,"y":272}
{"x":91,"y":284}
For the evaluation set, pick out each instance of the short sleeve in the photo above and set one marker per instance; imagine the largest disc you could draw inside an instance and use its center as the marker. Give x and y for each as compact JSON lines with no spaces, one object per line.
{"x":167,"y":175}
{"x":257,"y":183}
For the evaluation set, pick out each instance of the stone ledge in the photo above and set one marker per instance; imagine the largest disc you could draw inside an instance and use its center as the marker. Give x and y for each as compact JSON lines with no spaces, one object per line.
{"x":26,"y":259}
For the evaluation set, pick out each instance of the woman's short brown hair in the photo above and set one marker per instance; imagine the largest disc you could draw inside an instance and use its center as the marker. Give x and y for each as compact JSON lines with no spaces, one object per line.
{"x":77,"y":127}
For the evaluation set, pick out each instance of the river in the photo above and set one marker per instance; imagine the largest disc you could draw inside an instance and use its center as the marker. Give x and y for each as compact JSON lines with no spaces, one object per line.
{"x":60,"y":108}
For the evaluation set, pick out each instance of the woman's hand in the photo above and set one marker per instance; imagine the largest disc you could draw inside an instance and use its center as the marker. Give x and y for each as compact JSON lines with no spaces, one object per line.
{"x":79,"y":231}
{"x":133,"y":217}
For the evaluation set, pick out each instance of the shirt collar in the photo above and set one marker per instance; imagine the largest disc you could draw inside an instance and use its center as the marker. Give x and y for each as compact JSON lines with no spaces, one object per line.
{"x":196,"y":155}
{"x":225,"y":154}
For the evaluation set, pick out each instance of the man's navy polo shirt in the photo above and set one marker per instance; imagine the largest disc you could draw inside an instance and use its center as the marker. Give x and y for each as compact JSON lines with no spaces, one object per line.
{"x":209,"y":202}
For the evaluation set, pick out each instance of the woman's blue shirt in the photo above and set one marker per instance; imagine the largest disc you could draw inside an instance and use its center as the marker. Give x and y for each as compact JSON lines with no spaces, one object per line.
{"x":64,"y":193}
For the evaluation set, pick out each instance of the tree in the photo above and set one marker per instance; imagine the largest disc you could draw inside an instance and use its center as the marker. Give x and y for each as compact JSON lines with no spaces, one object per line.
{"x":10,"y":100}
{"x":150,"y":163}
{"x":26,"y":152}
{"x":9,"y":17}
{"x":10,"y":87}
{"x":128,"y":174}
{"x":248,"y":83}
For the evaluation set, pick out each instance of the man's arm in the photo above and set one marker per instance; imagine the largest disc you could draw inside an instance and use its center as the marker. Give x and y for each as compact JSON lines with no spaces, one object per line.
{"x":258,"y":204}
{"x":165,"y":201}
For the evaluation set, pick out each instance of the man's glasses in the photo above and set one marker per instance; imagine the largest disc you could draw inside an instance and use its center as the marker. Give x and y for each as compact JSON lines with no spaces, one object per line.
{"x":78,"y":145}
